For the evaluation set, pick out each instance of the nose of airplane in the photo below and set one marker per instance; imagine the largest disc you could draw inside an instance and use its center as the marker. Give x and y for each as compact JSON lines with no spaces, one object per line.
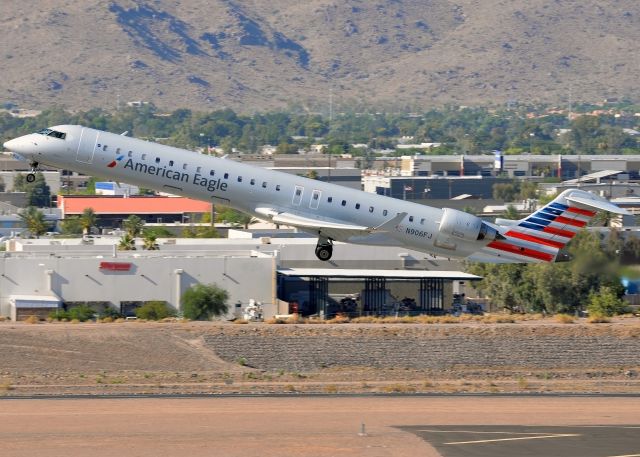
{"x":19,"y":145}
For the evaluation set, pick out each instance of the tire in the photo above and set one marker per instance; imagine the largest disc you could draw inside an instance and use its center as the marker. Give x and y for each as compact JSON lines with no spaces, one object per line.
{"x":31,"y":177}
{"x":324,"y":253}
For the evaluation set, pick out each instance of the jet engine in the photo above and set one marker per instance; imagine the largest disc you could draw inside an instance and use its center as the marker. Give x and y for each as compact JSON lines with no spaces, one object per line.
{"x":466,"y":226}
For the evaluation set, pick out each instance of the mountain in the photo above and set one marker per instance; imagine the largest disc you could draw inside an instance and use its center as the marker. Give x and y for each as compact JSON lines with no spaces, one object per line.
{"x":261,"y":55}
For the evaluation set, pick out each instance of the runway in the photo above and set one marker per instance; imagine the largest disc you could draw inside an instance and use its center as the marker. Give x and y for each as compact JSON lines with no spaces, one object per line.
{"x":322,"y":426}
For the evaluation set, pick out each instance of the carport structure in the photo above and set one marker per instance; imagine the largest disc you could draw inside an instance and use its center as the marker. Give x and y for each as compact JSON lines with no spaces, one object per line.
{"x":314,"y":283}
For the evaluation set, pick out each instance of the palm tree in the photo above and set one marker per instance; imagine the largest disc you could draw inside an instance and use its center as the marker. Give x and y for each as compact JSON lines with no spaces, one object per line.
{"x":87,"y":220}
{"x":34,"y":220}
{"x":150,"y":243}
{"x":133,"y":225}
{"x":127,"y":243}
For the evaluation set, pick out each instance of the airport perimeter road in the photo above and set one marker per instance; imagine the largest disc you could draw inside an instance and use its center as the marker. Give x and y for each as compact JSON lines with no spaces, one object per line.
{"x":313,"y":426}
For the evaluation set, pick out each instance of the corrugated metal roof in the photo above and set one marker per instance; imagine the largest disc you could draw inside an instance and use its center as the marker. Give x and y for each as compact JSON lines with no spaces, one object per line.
{"x":132,"y":205}
{"x":391,"y":274}
{"x":593,"y":176}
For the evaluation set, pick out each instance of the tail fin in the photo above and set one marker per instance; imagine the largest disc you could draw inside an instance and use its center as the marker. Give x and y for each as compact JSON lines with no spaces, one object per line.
{"x":540,"y":236}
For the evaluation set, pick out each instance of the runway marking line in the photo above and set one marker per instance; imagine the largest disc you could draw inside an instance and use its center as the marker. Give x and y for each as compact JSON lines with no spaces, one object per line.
{"x":537,"y":436}
{"x":628,"y":455}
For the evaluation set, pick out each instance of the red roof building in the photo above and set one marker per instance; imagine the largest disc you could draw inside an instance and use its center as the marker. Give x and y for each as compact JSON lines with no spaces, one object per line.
{"x":111,"y":210}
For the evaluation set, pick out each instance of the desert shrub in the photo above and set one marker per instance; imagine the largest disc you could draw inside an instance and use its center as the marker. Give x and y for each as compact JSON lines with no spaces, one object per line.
{"x":111,"y":313}
{"x":203,"y":301}
{"x":32,"y":319}
{"x":598,"y":318}
{"x":564,"y":319}
{"x":80,"y":313}
{"x":240,"y":321}
{"x":155,"y":310}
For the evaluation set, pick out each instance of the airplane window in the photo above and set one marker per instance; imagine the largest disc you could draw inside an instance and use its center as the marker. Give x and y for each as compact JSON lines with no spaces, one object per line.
{"x":357,"y":205}
{"x":104,"y":148}
{"x":226,"y":175}
{"x":344,"y":202}
{"x":298,"y":192}
{"x":212,"y":172}
{"x":239,"y":178}
{"x":422,"y":221}
{"x":144,"y":157}
{"x":53,"y":133}
{"x":278,"y":187}
{"x":329,"y":199}
{"x":385,"y":212}
{"x":130,"y":154}
{"x":44,"y":132}
{"x":118,"y":151}
{"x":171,"y":163}
{"x":184,"y":166}
{"x":252,"y":182}
{"x":371,"y":209}
{"x":264,"y":184}
{"x":99,"y":145}
{"x":410,"y":218}
{"x":157,"y":159}
{"x":199,"y":169}
{"x":315,"y":196}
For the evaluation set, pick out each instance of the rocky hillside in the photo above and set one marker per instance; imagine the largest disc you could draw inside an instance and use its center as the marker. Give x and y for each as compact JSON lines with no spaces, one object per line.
{"x":250,"y":55}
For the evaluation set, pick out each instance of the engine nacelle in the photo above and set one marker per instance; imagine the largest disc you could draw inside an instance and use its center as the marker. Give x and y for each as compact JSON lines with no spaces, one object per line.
{"x":466,"y":226}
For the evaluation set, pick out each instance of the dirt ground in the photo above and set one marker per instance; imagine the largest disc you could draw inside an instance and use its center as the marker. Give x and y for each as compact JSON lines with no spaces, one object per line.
{"x":153,"y":358}
{"x":270,"y":427}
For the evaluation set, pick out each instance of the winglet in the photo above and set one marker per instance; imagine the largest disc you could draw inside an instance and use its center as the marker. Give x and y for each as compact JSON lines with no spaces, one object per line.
{"x":390,"y":224}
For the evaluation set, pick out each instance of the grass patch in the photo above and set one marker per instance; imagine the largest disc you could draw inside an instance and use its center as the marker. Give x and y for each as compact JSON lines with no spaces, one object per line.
{"x":240,"y":321}
{"x":32,"y":319}
{"x":598,"y":319}
{"x":564,"y":319}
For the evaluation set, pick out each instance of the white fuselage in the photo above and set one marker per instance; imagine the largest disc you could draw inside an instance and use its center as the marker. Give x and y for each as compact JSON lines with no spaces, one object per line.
{"x":244,"y":187}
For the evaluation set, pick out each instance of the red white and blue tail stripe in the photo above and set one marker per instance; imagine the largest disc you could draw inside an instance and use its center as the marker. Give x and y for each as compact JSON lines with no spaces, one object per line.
{"x":540,"y":236}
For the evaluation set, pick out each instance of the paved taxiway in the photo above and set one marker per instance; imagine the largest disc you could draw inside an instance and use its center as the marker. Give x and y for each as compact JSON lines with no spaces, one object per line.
{"x":319,"y":427}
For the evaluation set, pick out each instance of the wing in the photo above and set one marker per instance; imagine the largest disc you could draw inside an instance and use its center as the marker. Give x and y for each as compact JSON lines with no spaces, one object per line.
{"x":331,"y":228}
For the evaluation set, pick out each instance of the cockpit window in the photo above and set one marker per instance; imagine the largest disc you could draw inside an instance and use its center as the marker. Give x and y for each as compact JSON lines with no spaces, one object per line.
{"x":53,"y":133}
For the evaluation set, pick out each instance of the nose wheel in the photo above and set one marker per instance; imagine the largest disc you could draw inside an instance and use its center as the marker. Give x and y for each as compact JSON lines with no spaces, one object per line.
{"x":324,"y":250}
{"x":31,"y":176}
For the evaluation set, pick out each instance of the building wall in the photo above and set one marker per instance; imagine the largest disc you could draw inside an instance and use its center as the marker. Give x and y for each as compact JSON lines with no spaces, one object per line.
{"x":150,"y":278}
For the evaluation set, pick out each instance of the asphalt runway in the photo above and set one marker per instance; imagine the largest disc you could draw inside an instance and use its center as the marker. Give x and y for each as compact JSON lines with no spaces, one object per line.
{"x":329,"y":426}
{"x":522,"y":441}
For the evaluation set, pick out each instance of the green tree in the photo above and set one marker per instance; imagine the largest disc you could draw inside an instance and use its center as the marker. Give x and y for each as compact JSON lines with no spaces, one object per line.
{"x":202,"y":301}
{"x":35,"y":221}
{"x":38,"y":192}
{"x":87,"y":220}
{"x":133,"y":225}
{"x":605,"y":302}
{"x":511,"y":213}
{"x":155,"y":310}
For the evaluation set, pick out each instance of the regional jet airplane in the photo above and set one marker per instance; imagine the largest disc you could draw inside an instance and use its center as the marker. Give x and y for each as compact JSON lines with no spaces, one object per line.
{"x":329,"y":211}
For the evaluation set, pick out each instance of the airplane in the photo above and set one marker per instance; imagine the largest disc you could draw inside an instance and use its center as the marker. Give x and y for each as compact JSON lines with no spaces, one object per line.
{"x":329,"y":211}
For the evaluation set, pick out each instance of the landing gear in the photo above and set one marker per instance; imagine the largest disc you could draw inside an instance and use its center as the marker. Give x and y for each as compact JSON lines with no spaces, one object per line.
{"x":324,"y":249}
{"x":31,"y":176}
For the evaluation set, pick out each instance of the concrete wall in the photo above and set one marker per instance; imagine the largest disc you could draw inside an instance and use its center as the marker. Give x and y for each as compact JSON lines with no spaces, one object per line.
{"x":150,"y":278}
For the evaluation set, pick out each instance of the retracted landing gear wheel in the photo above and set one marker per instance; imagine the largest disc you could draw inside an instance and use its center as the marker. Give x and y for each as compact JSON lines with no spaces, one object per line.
{"x":324,"y":252}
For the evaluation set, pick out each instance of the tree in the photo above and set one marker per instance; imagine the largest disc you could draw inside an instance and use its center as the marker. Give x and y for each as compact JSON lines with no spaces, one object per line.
{"x":127,"y":243}
{"x":202,"y":301}
{"x":38,"y":192}
{"x":149,"y":242}
{"x":133,"y":225}
{"x":71,"y":226}
{"x":87,"y":220}
{"x":510,"y":213}
{"x":35,"y":221}
{"x":605,"y":303}
{"x":155,"y":310}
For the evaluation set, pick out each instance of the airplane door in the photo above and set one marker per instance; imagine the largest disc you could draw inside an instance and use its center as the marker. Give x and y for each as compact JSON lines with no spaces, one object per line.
{"x":297,"y":195}
{"x":315,"y":199}
{"x":87,"y":145}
